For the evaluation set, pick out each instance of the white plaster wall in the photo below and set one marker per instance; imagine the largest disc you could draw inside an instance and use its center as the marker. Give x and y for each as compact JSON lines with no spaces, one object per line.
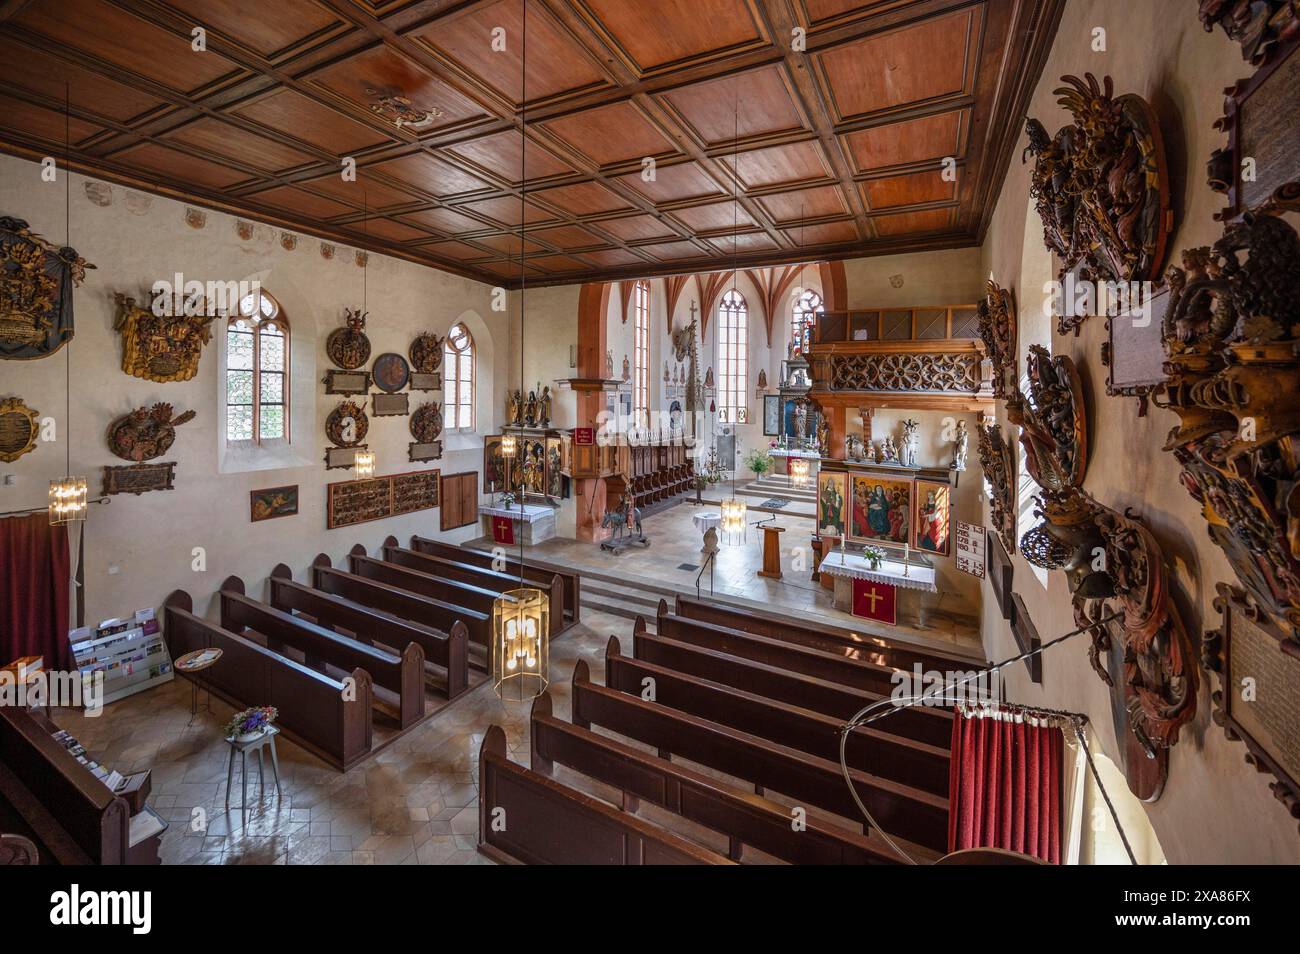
{"x":1215,"y":808}
{"x":138,"y":549}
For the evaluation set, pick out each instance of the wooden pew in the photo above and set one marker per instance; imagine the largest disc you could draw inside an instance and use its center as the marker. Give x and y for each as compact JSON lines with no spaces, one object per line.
{"x":400,"y":602}
{"x":875,"y":649}
{"x":904,"y":812}
{"x":923,"y":723}
{"x":545,"y":822}
{"x":313,"y":711}
{"x":746,"y":819}
{"x":476,"y":576}
{"x":464,"y":595}
{"x":369,"y":625}
{"x":75,"y":816}
{"x":536,"y":572}
{"x":893,"y":757}
{"x":777,"y":652}
{"x":402,"y":674}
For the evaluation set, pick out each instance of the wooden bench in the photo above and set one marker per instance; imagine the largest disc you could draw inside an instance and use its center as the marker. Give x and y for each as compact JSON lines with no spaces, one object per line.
{"x":487,"y":579}
{"x":912,"y":763}
{"x":74,"y":817}
{"x":402,"y":675}
{"x":313,"y":710}
{"x":904,"y":812}
{"x":923,"y":723}
{"x":858,"y":673}
{"x":447,"y":650}
{"x":525,"y":817}
{"x":400,"y":602}
{"x":536,"y":572}
{"x":745,"y":818}
{"x":452,"y":593}
{"x":875,"y":649}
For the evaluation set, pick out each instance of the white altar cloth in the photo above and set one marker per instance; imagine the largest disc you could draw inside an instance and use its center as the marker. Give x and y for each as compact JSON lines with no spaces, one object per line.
{"x":531,"y":512}
{"x":856,"y":567}
{"x":785,"y":452}
{"x":704,"y":521}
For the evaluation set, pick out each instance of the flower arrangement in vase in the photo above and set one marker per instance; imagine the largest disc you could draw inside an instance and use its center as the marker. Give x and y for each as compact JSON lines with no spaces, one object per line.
{"x":251,"y":723}
{"x":873,"y":555}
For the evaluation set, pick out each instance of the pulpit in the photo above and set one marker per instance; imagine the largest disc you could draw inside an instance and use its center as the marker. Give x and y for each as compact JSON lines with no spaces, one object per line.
{"x":771,"y":551}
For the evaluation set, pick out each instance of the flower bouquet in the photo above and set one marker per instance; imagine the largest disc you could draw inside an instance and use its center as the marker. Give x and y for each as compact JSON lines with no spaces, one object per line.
{"x":873,"y":555}
{"x":251,"y":723}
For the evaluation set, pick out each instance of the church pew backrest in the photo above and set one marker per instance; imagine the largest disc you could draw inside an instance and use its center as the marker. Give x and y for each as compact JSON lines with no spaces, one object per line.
{"x":424,"y":584}
{"x":445,"y":649}
{"x":538,"y":572}
{"x":906,"y":812}
{"x":313,"y":710}
{"x":747,"y":819}
{"x":402,"y":675}
{"x":527,"y":818}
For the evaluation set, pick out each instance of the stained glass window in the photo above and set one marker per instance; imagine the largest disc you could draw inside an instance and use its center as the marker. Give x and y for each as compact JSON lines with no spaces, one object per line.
{"x":733,"y":358}
{"x":257,"y":371}
{"x":458,"y":363}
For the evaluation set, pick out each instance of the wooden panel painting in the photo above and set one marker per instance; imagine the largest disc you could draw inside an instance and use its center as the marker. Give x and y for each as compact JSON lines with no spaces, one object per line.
{"x":881,"y":510}
{"x":933,"y":517}
{"x":273,"y":502}
{"x":831,"y":493}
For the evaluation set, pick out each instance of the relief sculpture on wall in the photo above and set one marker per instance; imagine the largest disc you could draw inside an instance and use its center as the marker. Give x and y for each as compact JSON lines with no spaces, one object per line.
{"x":1100,"y":186}
{"x":1051,"y":417}
{"x":998,"y":330}
{"x":162,"y":348}
{"x":36,"y":281}
{"x":1231,"y":335}
{"x":998,"y":460}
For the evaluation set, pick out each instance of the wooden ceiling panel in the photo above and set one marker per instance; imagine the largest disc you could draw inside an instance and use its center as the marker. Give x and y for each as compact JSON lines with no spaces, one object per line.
{"x":805,"y":204}
{"x":381,"y":71}
{"x":914,"y":140}
{"x":914,"y":188}
{"x":584,"y":198}
{"x":673,"y":183}
{"x":303,"y":118}
{"x":744,"y":105}
{"x":611,"y":134}
{"x":172,"y":164}
{"x":923,"y":62}
{"x":655,"y":35}
{"x":713,"y":217}
{"x":910,"y":223}
{"x":557,"y":63}
{"x":828,"y":233}
{"x":797,"y":163}
{"x":264,"y":27}
{"x":307,"y":204}
{"x":431,"y":175}
{"x":231,"y":142}
{"x":499,"y":154}
{"x":32,"y":69}
{"x":507,"y":210}
{"x":847,"y":136}
{"x":637,"y":227}
{"x":102,"y":30}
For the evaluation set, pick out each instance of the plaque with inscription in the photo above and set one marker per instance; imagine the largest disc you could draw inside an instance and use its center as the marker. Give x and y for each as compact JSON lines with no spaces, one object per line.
{"x":340,"y":458}
{"x":1259,"y":689}
{"x":427,"y":450}
{"x":426,"y":381}
{"x":346,"y":382}
{"x":391,"y":405}
{"x":139,"y":478}
{"x":359,"y":501}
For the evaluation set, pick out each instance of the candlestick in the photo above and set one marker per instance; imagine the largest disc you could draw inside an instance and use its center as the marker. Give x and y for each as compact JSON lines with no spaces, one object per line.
{"x":843,"y":540}
{"x":907,"y":555}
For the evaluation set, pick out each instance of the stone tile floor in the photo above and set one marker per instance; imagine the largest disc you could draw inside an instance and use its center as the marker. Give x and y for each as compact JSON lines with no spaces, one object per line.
{"x":415,"y":802}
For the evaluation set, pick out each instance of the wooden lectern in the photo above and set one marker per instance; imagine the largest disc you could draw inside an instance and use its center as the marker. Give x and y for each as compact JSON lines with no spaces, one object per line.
{"x":771,"y":551}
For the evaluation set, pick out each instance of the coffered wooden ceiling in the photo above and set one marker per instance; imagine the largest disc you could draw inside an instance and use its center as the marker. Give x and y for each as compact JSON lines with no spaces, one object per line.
{"x":834,"y":151}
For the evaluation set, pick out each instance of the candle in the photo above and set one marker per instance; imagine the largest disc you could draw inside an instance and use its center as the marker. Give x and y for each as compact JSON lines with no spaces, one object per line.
{"x":843,"y":539}
{"x":907,"y":554}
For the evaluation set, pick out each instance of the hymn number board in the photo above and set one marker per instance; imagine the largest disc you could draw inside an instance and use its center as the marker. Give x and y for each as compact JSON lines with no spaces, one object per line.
{"x":360,"y":501}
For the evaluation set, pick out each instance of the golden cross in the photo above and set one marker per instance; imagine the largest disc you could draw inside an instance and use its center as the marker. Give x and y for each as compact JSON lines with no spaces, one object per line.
{"x":874,"y":596}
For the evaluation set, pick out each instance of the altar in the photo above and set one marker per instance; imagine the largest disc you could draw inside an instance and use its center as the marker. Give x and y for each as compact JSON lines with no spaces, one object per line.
{"x":532,"y":523}
{"x":911,"y":586}
{"x":781,"y":457}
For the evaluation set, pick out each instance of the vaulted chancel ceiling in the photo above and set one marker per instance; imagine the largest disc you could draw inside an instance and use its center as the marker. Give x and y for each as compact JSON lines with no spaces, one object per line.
{"x":777,"y":130}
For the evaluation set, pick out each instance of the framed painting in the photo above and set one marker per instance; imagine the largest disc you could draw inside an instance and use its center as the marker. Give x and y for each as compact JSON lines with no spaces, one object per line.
{"x":881,"y":510}
{"x":494,"y":466}
{"x":933,"y":517}
{"x":273,"y":502}
{"x":771,"y":415}
{"x":831,"y":494}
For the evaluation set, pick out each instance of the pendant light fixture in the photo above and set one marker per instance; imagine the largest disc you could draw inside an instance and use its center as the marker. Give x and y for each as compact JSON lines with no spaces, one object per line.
{"x":799,"y":473}
{"x":68,"y":494}
{"x":733,"y":508}
{"x":364,"y":463}
{"x":521,"y":618}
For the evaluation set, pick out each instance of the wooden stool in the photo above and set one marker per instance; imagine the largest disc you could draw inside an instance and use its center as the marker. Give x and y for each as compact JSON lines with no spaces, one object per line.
{"x":242,"y":749}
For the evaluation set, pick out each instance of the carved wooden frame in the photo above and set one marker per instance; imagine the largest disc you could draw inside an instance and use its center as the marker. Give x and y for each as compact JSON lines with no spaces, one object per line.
{"x":14,"y":407}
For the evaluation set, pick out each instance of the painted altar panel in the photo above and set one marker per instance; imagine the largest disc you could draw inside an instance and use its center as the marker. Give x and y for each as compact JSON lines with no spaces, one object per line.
{"x":881,"y":509}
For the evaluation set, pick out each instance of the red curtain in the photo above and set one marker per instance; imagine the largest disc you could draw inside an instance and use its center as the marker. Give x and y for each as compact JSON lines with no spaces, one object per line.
{"x":1005,"y":786}
{"x":34,"y":568}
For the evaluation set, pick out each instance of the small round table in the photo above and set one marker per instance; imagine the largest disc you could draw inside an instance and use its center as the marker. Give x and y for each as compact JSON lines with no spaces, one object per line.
{"x":191,"y":663}
{"x":267,"y":738}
